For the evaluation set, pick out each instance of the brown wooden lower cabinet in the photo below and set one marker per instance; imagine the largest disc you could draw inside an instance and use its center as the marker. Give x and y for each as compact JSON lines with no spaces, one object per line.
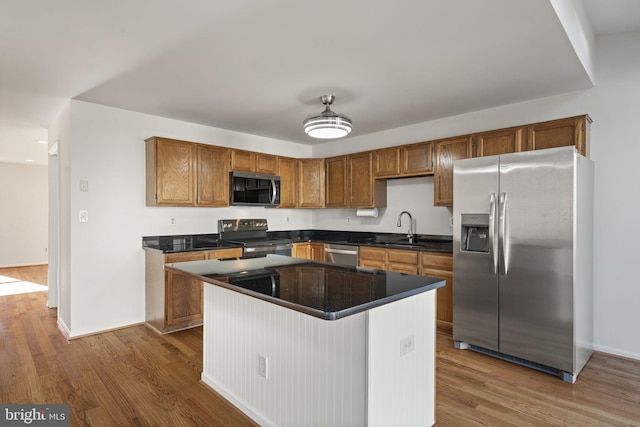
{"x":432,"y":264}
{"x":372,"y":258}
{"x":398,"y":260}
{"x":440,"y":265}
{"x":174,"y":301}
{"x":308,"y":250}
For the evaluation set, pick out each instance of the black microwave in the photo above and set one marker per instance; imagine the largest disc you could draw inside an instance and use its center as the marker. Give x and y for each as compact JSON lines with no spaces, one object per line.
{"x":251,"y":189}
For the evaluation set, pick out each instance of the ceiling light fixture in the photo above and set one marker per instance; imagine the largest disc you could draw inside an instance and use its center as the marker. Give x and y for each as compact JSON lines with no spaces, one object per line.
{"x":328,"y":124}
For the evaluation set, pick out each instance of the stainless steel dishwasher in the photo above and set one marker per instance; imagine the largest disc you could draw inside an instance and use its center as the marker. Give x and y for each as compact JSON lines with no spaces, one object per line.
{"x":341,"y":254}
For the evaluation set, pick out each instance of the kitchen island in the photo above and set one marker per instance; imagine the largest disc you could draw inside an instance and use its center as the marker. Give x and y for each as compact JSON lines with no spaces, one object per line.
{"x":294,"y":342}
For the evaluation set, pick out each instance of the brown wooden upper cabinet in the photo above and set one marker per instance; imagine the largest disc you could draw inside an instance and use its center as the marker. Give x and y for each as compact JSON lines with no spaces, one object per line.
{"x":181,"y":173}
{"x":417,"y":159}
{"x":337,"y":188}
{"x":363,"y":190}
{"x":499,"y":142}
{"x":560,"y":133}
{"x":350,"y":182}
{"x":311,"y":183}
{"x":288,"y":171}
{"x":170,"y":172}
{"x":404,"y":161}
{"x":448,"y":150}
{"x":251,"y":161}
{"x":386,"y":162}
{"x":212,"y":175}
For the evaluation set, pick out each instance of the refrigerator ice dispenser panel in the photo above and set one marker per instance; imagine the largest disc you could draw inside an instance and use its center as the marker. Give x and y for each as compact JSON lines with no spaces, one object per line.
{"x":475,"y":233}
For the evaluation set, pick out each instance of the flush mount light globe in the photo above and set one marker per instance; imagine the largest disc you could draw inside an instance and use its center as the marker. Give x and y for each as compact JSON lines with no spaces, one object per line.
{"x":328,"y":124}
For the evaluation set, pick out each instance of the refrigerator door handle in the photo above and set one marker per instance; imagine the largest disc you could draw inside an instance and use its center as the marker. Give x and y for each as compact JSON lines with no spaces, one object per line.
{"x":492,"y":233}
{"x":503,"y":244}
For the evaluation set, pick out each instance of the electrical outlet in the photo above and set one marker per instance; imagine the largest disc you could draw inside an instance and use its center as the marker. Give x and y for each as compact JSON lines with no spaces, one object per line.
{"x":406,"y":345}
{"x":84,"y":216}
{"x":263,"y":366}
{"x":172,"y":221}
{"x":84,"y":186}
{"x":287,"y":219}
{"x":348,"y":220}
{"x":451,"y":222}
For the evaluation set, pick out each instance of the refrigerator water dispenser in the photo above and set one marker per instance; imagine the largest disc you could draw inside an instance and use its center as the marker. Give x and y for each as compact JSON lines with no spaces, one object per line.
{"x":475,"y":233}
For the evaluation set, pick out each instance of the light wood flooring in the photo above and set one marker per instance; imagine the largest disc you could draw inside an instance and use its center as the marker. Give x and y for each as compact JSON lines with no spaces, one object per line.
{"x":134,"y":376}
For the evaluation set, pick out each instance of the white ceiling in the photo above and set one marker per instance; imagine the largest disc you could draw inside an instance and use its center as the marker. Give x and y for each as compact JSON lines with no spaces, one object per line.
{"x":260,"y":67}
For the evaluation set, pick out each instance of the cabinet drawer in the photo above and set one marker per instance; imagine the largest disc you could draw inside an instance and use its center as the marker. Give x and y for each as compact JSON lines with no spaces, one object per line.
{"x":402,"y":256}
{"x":377,"y":264}
{"x":374,"y":254}
{"x":435,"y":261}
{"x":403,"y":268}
{"x":186,"y":256}
{"x":225,"y":253}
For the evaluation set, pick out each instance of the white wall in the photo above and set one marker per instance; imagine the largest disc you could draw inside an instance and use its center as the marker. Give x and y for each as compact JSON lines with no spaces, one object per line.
{"x":102,"y":277}
{"x":106,"y":262}
{"x":414,"y":195}
{"x":23,"y":214}
{"x":614,"y":106}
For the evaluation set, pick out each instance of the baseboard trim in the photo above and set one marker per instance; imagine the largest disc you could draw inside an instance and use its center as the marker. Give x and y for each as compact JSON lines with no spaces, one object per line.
{"x":616,"y":352}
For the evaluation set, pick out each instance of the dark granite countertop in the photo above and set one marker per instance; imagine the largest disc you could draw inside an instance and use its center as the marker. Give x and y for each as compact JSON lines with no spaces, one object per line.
{"x":184,"y":243}
{"x":199,"y":242}
{"x":328,"y":291}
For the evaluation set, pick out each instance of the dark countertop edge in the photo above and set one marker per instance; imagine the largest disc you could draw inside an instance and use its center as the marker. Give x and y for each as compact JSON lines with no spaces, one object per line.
{"x":358,"y":238}
{"x":332,"y":315}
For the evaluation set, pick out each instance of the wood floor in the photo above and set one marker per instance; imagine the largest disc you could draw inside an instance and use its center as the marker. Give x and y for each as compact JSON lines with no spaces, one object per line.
{"x":134,"y":376}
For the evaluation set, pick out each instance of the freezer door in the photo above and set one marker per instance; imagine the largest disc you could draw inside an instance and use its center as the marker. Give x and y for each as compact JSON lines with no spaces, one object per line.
{"x":475,"y":288}
{"x":536,"y":254}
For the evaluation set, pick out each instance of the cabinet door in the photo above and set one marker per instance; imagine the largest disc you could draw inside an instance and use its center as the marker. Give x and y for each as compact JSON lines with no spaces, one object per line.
{"x":402,"y":261}
{"x":243,"y":161}
{"x":364,"y":190}
{"x":386,"y":162}
{"x":560,"y":133}
{"x":372,"y":258}
{"x":336,"y":182}
{"x":183,"y":300}
{"x":441,"y":266}
{"x":183,"y":295}
{"x":170,"y":172}
{"x":266,"y":164}
{"x":499,"y":142}
{"x":301,"y":250}
{"x":213,"y":175}
{"x":311,"y":183}
{"x":446,"y":152}
{"x":417,"y":159}
{"x":288,"y":170}
{"x":316,"y":251}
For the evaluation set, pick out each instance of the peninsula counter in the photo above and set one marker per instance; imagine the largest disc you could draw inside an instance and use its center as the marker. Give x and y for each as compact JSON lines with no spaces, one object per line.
{"x":292,"y":342}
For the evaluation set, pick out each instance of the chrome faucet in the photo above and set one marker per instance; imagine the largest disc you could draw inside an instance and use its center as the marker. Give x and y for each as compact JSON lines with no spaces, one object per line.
{"x":410,"y":235}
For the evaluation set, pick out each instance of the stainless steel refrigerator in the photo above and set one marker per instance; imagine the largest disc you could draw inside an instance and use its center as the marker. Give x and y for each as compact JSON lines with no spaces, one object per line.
{"x":523,"y":254}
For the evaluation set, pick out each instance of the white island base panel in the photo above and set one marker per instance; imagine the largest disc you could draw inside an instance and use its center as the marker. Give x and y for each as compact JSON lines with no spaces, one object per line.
{"x":285,"y":368}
